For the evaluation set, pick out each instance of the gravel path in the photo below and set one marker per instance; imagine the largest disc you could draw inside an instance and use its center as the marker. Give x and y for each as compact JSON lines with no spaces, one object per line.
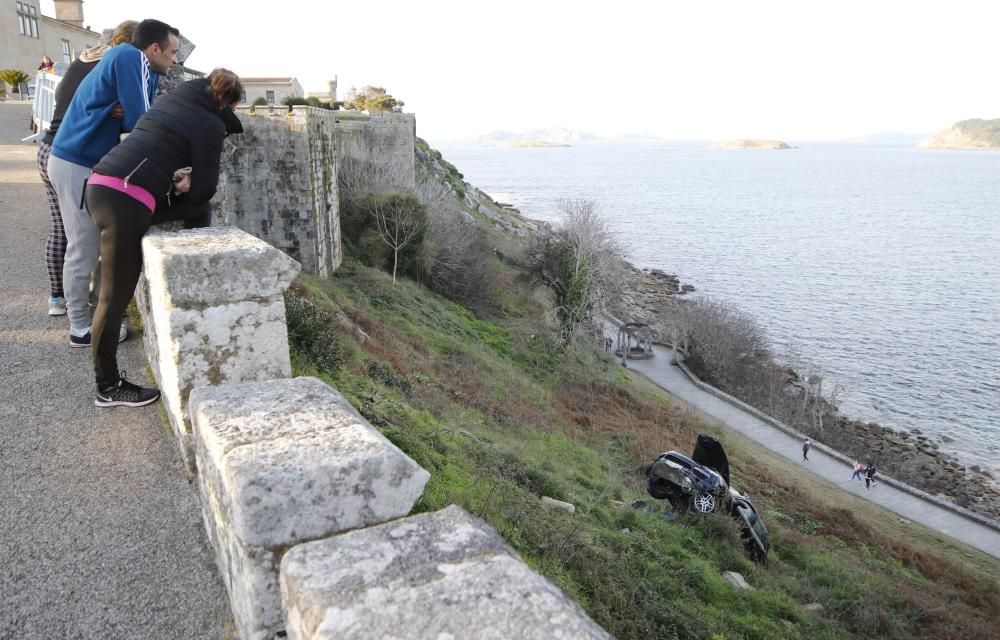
{"x":101,"y":534}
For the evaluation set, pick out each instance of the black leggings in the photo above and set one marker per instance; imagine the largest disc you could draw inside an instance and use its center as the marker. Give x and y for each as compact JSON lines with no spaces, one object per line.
{"x":123,"y":221}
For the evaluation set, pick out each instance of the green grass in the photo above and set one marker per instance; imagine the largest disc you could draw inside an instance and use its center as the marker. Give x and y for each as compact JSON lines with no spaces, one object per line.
{"x":500,"y":415}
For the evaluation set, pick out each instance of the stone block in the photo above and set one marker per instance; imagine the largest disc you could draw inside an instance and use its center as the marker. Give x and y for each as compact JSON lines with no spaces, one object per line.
{"x":437,"y":575}
{"x":213,"y":313}
{"x":284,"y":462}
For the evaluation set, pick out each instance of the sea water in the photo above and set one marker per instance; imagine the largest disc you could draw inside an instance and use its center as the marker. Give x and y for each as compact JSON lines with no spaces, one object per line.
{"x":877,"y":267}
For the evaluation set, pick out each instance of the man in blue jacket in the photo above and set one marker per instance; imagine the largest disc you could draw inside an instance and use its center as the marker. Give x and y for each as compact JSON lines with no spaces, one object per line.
{"x":127,"y":75}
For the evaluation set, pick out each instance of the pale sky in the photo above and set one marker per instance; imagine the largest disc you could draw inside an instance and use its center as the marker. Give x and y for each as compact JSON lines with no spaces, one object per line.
{"x":796,"y":70}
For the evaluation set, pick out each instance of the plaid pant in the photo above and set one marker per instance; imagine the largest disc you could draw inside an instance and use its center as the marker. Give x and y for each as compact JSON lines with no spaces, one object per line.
{"x":55,"y":244}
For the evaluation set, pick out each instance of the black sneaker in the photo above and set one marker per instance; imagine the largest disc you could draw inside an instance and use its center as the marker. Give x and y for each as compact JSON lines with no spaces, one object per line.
{"x":79,"y":342}
{"x":125,"y":394}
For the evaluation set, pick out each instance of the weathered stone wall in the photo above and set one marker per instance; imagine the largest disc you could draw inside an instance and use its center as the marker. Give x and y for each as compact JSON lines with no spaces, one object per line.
{"x":213,"y":313}
{"x":383,"y":138}
{"x":279,"y":182}
{"x":279,"y":178}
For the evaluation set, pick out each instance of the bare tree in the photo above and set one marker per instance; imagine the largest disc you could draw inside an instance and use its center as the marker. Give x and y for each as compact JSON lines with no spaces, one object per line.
{"x":582,"y":263}
{"x":399,"y":219}
{"x":458,"y":251}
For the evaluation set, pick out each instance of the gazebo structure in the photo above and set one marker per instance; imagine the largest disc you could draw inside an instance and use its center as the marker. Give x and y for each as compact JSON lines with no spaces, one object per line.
{"x":635,"y":341}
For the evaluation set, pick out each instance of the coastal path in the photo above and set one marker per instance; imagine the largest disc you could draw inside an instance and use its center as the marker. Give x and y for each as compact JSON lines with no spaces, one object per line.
{"x":101,"y":534}
{"x":910,"y":507}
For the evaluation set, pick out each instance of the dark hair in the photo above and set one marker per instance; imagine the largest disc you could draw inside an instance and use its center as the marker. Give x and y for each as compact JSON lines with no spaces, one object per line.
{"x":225,"y":86}
{"x":149,"y":31}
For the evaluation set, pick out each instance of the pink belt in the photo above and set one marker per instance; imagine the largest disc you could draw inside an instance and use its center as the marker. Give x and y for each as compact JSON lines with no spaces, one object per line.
{"x":119,"y":184}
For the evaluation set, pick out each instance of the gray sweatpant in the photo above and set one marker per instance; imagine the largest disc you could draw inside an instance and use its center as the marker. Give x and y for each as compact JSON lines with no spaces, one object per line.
{"x":83,"y":241}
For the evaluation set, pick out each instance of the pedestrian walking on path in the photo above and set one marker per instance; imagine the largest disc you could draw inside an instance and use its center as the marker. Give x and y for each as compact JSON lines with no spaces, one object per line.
{"x":805,"y":450}
{"x":870,"y":477}
{"x":858,"y":469}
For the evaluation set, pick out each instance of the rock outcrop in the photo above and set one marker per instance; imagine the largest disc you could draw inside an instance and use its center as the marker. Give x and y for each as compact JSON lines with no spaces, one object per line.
{"x":967,"y":134}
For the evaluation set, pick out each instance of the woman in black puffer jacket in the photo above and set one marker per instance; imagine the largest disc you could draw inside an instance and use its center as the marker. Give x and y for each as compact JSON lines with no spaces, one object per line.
{"x":138,"y":183}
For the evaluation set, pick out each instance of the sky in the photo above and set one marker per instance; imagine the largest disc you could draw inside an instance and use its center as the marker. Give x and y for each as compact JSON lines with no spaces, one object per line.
{"x":686,"y":70}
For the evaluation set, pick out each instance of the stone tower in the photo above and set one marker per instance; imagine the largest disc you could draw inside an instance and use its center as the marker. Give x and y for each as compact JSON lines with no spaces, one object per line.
{"x":70,"y":11}
{"x":333,"y":90}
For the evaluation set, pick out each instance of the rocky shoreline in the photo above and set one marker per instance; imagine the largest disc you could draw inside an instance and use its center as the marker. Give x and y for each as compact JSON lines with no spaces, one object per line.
{"x":908,"y":456}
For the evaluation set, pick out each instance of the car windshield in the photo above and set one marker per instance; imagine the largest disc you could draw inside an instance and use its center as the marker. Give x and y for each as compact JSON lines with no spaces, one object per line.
{"x":749,"y":514}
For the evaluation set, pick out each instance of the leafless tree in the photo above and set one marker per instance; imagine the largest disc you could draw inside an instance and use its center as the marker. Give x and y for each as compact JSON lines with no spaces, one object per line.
{"x":399,"y":218}
{"x":582,"y":262}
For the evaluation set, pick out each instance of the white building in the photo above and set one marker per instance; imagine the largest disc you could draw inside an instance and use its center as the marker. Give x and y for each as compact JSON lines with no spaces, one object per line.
{"x":274,"y":90}
{"x":26,"y":35}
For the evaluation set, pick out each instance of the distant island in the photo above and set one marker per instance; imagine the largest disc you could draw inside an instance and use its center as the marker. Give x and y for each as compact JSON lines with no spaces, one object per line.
{"x":557,"y":136}
{"x":750,"y":143}
{"x":531,"y":143}
{"x":967,"y":134}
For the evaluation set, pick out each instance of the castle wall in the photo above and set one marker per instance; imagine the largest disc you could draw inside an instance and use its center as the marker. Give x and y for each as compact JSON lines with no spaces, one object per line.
{"x":279,"y":178}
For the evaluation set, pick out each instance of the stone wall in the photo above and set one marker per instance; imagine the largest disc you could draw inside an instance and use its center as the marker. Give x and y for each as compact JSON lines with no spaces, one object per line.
{"x":302,"y":499}
{"x":279,"y":183}
{"x":383,"y":138}
{"x":279,"y":178}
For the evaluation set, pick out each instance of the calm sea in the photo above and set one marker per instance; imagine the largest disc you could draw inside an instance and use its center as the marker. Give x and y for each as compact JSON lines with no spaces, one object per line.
{"x":877,"y":267}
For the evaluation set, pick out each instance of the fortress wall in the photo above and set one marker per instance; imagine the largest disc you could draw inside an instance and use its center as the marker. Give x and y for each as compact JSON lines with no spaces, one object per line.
{"x":279,"y":177}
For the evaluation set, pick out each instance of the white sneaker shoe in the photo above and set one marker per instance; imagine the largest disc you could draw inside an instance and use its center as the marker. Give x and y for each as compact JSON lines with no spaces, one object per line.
{"x":57,"y":306}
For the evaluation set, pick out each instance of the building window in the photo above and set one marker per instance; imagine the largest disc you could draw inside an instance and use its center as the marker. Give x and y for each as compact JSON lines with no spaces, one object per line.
{"x":270,"y":97}
{"x":67,"y":56}
{"x":27,"y":20}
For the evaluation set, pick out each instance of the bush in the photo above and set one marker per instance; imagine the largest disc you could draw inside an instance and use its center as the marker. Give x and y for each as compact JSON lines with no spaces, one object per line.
{"x":260,"y":102}
{"x":311,"y":331}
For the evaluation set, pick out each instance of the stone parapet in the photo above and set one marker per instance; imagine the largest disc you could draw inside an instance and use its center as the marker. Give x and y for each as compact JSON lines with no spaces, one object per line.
{"x":280,"y":463}
{"x":437,"y":575}
{"x":213,"y":313}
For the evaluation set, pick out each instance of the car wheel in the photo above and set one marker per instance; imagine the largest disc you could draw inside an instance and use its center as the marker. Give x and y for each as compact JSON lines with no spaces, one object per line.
{"x":703,"y":503}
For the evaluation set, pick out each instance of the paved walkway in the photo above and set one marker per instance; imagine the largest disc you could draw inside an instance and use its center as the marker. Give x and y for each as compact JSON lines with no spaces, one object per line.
{"x":101,"y":533}
{"x":660,"y":371}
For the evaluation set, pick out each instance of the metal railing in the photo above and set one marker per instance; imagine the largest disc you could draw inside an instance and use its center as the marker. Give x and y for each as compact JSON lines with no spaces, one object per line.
{"x":43,"y":106}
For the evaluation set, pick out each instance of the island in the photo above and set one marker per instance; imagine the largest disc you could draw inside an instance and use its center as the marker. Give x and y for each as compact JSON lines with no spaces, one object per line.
{"x":531,"y":143}
{"x":751,"y":143}
{"x":967,"y":134}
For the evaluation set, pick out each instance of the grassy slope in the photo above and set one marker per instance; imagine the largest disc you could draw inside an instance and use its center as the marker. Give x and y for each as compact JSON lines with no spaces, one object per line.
{"x":500,"y":416}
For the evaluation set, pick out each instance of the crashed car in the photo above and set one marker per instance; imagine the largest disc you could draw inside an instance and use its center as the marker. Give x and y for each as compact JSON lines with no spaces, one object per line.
{"x":701,"y":484}
{"x":686,"y":484}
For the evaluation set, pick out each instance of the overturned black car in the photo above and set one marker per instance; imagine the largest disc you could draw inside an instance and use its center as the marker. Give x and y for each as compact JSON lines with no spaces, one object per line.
{"x":701,"y":484}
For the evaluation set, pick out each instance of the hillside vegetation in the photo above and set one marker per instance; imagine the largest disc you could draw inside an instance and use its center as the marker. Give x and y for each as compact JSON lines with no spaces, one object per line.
{"x":503,"y":410}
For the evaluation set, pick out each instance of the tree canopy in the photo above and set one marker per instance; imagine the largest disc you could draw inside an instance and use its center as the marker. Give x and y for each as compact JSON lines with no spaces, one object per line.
{"x":372,"y":98}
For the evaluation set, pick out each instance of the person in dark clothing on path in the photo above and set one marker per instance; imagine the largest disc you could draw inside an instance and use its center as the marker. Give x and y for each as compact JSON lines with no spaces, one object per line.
{"x":870,"y":477}
{"x":805,"y":450}
{"x":167,"y":169}
{"x":55,"y":244}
